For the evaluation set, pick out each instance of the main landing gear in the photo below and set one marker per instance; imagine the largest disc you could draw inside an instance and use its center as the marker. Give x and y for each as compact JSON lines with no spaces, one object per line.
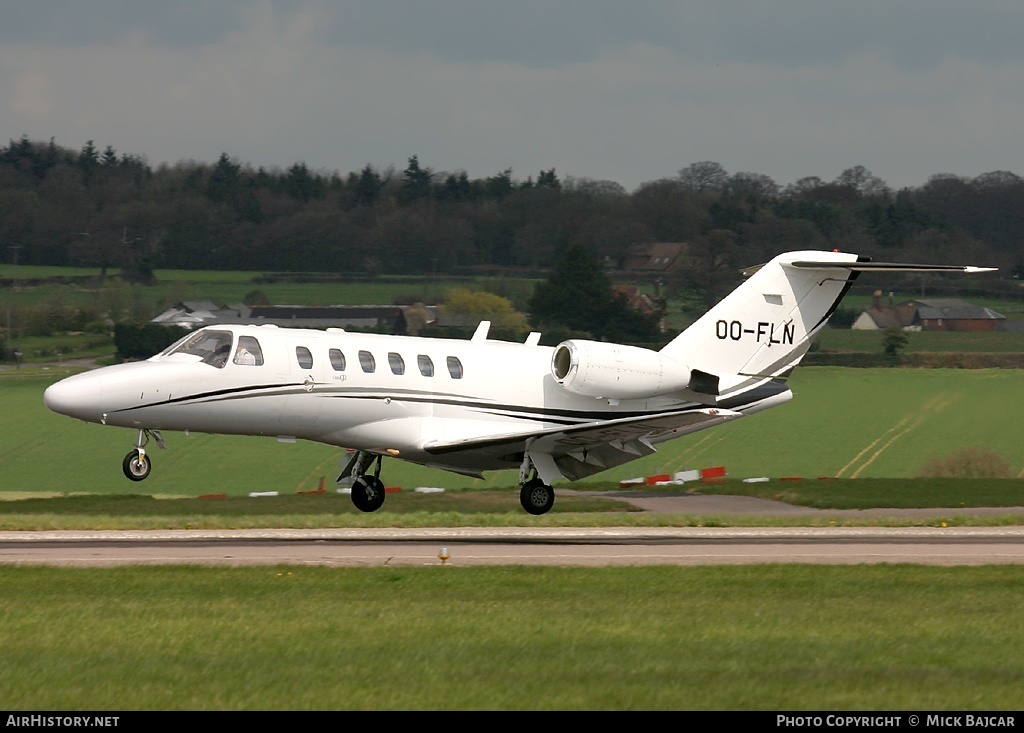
{"x":368,"y":493}
{"x":536,"y":496}
{"x":367,"y":490}
{"x":136,"y":465}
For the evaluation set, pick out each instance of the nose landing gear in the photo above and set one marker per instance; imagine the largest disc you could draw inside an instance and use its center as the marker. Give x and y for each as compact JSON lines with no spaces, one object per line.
{"x":136,"y":465}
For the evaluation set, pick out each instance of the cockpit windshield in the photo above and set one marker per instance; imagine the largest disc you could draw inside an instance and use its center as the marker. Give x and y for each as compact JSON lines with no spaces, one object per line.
{"x":211,"y":346}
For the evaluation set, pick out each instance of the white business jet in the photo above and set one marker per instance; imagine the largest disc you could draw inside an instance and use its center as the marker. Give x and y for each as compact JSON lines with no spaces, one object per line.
{"x":475,"y":405}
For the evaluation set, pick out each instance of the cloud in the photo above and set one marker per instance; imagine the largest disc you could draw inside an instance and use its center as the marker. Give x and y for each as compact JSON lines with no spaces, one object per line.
{"x":593,"y":89}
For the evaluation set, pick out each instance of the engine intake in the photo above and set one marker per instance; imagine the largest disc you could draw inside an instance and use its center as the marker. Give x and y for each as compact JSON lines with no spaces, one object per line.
{"x":615,"y":371}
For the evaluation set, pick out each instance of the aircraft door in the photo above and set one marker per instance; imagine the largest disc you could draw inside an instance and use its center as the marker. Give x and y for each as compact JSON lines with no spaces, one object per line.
{"x":300,"y":417}
{"x":432,"y":415}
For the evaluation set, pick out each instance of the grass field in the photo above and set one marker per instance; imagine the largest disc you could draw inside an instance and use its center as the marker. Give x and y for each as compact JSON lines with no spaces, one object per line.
{"x":500,"y":508}
{"x":842,"y":423}
{"x":512,"y":638}
{"x":995,"y":342}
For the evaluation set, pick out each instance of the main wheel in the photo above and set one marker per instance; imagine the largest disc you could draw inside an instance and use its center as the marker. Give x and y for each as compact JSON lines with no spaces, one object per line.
{"x":367,"y":493}
{"x":136,"y":466}
{"x":536,"y":496}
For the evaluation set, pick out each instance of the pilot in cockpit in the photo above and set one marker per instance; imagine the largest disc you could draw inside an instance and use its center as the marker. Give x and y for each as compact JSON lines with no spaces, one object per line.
{"x":220,"y":356}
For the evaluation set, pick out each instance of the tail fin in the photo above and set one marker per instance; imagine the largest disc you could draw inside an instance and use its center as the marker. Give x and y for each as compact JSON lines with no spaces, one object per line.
{"x":764,"y":327}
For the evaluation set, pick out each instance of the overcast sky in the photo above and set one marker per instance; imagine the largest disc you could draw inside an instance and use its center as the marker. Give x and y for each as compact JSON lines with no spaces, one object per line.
{"x":626,"y":90}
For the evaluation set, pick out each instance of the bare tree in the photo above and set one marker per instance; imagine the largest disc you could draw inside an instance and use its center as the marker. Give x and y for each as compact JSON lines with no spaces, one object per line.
{"x":704,"y":176}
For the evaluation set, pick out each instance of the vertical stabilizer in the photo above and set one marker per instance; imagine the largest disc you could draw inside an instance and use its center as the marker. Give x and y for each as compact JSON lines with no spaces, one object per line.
{"x":764,"y":327}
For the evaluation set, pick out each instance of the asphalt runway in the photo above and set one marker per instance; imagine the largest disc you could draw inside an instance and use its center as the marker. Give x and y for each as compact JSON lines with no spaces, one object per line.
{"x":622,"y":546}
{"x":467,"y":546}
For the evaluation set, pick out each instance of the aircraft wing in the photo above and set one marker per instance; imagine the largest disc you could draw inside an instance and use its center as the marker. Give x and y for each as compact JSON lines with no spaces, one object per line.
{"x":582,"y":450}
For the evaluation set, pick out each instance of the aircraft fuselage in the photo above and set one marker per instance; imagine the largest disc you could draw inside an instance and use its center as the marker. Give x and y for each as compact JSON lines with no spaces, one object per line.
{"x":393,"y":395}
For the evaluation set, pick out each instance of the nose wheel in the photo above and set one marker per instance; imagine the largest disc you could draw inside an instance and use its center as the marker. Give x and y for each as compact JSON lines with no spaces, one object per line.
{"x":136,"y":465}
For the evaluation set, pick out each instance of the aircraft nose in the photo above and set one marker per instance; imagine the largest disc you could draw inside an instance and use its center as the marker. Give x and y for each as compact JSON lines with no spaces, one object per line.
{"x":74,"y":398}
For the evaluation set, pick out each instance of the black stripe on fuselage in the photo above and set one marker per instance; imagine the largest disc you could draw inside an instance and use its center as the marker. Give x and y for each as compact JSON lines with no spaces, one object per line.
{"x":220,"y":395}
{"x":549,"y":414}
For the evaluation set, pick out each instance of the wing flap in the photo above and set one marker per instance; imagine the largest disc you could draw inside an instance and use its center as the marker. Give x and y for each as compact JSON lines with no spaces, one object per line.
{"x":582,"y":450}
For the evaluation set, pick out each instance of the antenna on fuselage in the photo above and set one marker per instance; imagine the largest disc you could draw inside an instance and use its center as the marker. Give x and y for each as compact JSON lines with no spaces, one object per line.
{"x":481,"y":331}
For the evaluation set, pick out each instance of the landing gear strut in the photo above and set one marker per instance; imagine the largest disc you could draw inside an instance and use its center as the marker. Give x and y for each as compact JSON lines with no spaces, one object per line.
{"x":367,"y":491}
{"x":136,"y":465}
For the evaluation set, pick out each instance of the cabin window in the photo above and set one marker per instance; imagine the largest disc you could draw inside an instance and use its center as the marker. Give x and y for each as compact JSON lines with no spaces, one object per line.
{"x":337,"y":360}
{"x":397,"y":363}
{"x":367,"y":362}
{"x":454,"y":367}
{"x":248,"y":352}
{"x":304,"y":357}
{"x":425,"y":364}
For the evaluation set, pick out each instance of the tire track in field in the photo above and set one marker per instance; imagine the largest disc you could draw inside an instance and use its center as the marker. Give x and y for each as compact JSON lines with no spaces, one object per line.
{"x":690,"y":454}
{"x":683,"y":458}
{"x":934,"y":405}
{"x":318,"y":468}
{"x":185,"y":449}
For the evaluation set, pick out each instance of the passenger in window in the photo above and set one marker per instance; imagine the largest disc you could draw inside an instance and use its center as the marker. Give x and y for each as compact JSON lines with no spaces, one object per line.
{"x":244,"y":356}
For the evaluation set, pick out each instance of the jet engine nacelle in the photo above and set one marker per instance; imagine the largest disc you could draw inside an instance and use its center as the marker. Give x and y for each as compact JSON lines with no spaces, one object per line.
{"x":615,"y":371}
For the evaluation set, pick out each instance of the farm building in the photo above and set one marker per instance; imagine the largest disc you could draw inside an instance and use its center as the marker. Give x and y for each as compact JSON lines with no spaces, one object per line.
{"x":193,"y":314}
{"x":642,"y":302}
{"x":936,"y":314}
{"x":653,"y":258}
{"x":198,"y":313}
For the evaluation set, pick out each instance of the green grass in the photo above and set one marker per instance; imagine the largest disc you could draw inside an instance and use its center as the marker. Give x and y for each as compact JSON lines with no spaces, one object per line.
{"x":500,"y":508}
{"x":998,"y":342}
{"x":874,"y":493}
{"x":60,"y":348}
{"x":512,"y":638}
{"x":330,"y":509}
{"x":864,"y":423}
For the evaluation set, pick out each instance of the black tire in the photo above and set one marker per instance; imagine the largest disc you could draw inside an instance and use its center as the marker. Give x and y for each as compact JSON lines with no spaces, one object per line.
{"x":136,"y":466}
{"x":367,"y":493}
{"x":537,"y":497}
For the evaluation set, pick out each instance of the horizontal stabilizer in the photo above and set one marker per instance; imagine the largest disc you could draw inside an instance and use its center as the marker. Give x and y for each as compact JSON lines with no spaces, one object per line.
{"x":868,"y":266}
{"x":889,"y":267}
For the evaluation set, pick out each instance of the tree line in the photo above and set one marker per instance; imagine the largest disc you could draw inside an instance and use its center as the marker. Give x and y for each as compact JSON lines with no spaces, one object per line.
{"x":102,"y":209}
